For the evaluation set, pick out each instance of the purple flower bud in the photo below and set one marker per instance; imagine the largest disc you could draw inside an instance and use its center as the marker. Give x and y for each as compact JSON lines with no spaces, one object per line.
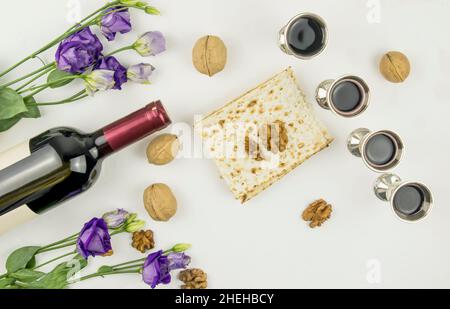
{"x":150,"y":44}
{"x":112,"y":64}
{"x":178,"y":260}
{"x":115,"y":218}
{"x":140,"y":73}
{"x":116,"y":19}
{"x":156,"y":269}
{"x":181,"y":247}
{"x":94,"y":239}
{"x":99,"y":80}
{"x":78,"y":51}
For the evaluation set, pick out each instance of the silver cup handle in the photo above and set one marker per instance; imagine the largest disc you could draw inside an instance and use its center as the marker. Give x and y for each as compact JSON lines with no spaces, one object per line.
{"x":322,"y":93}
{"x":385,"y":185}
{"x":282,"y":43}
{"x":355,"y":139}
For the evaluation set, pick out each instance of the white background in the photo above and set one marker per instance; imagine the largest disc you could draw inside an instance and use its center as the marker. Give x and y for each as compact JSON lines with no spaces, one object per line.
{"x":264,"y":244}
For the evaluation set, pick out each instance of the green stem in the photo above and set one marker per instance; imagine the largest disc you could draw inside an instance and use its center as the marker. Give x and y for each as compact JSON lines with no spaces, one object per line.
{"x":117,"y":232}
{"x":71,"y":243}
{"x":58,"y":247}
{"x":129,"y":262}
{"x":53,"y":260}
{"x":34,"y":78}
{"x":29,"y":75}
{"x":109,"y":273}
{"x":61,"y":37}
{"x":138,"y":260}
{"x":50,"y":247}
{"x":35,"y":92}
{"x":106,"y":6}
{"x":119,"y":50}
{"x":15,"y":65}
{"x":130,"y":266}
{"x":167,"y":251}
{"x":58,"y":242}
{"x":62,"y":101}
{"x":78,"y":96}
{"x":51,"y":83}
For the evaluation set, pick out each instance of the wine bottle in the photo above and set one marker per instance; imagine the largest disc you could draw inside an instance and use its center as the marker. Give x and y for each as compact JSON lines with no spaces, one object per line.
{"x":61,"y":163}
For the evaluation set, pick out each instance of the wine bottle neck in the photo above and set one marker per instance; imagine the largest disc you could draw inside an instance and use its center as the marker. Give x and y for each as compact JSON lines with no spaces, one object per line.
{"x":130,"y":129}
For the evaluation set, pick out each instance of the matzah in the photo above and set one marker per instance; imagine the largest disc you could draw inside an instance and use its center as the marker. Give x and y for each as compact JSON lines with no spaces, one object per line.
{"x":225,"y":131}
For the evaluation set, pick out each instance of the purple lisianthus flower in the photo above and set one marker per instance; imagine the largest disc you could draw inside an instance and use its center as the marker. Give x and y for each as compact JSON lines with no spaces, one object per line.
{"x":140,"y":73}
{"x":178,"y":260}
{"x":99,"y":80}
{"x":94,"y":239}
{"x":117,"y":19}
{"x":78,"y":51}
{"x":156,"y":269}
{"x":112,"y":64}
{"x":116,"y":218}
{"x":150,"y":44}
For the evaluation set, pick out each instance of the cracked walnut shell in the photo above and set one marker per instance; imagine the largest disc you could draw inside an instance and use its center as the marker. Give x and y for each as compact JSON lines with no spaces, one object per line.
{"x":193,"y":278}
{"x":143,"y":240}
{"x":317,"y":213}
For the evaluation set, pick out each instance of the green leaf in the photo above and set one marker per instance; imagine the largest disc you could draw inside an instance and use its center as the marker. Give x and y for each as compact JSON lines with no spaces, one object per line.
{"x":31,"y":263}
{"x":6,"y":124}
{"x":59,"y":276}
{"x":5,"y":282}
{"x":26,"y":275}
{"x":11,"y":103}
{"x":56,"y":75}
{"x":20,"y":258}
{"x":33,"y":110}
{"x":105,"y":269}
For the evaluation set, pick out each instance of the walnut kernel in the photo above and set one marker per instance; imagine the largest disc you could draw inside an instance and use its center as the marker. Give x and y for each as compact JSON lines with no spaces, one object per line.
{"x":193,"y":278}
{"x":317,"y":212}
{"x":143,"y":240}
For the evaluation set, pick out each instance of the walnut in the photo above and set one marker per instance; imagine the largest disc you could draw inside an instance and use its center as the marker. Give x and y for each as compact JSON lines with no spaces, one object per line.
{"x":160,"y":202}
{"x":209,"y":55}
{"x":317,"y":212}
{"x":273,"y":137}
{"x":193,"y":278}
{"x":395,"y":66}
{"x":143,"y":240}
{"x":163,"y":149}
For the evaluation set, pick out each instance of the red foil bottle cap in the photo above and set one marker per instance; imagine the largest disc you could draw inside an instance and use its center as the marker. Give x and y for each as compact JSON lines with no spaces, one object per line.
{"x":136,"y":126}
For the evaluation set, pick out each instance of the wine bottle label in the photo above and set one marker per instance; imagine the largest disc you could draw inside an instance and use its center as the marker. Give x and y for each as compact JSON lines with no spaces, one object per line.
{"x":14,"y":154}
{"x":23,"y":213}
{"x":15,"y":217}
